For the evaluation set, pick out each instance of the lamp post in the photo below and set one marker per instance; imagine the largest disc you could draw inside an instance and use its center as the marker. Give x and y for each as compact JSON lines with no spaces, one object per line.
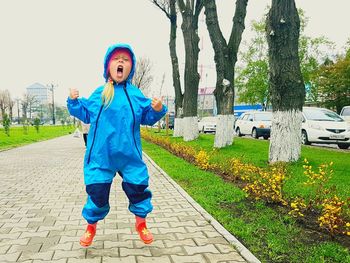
{"x":52,"y":89}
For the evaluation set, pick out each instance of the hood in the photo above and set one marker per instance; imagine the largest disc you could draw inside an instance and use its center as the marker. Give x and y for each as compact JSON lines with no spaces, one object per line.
{"x":110,"y":51}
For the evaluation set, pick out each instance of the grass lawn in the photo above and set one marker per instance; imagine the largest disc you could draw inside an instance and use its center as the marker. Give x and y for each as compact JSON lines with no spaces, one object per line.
{"x":269,"y":233}
{"x":18,"y":138}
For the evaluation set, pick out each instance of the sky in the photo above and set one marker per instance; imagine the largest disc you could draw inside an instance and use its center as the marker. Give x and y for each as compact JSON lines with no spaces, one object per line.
{"x":63,"y":42}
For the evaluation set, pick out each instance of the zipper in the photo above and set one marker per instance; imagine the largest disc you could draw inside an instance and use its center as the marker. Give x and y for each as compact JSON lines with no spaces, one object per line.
{"x":93,"y":140}
{"x":134,"y":120}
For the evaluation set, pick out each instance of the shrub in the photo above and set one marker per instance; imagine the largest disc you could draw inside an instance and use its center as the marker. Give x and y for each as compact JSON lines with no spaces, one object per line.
{"x":6,"y":122}
{"x":36,"y":124}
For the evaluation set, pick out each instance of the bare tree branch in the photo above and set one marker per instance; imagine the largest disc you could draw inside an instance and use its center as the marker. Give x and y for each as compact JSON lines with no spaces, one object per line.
{"x":163,"y":6}
{"x":143,"y":75}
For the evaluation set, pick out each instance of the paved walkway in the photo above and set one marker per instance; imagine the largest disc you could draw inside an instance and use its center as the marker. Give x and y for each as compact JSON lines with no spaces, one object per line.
{"x":41,"y":197}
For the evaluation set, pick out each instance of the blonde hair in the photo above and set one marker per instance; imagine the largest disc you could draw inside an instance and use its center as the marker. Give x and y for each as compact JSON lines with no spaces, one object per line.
{"x":108,"y":93}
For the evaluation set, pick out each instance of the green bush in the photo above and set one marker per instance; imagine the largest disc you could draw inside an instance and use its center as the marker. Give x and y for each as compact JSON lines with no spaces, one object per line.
{"x":36,"y":124}
{"x":6,"y":122}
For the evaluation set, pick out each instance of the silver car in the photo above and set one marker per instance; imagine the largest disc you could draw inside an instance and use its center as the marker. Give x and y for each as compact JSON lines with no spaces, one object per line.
{"x":324,"y":126}
{"x":254,"y":123}
{"x":207,"y":124}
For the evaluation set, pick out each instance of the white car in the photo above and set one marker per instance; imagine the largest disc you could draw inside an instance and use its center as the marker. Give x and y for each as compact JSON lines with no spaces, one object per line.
{"x":254,"y":123}
{"x":207,"y":124}
{"x":324,"y":126}
{"x":345,"y":113}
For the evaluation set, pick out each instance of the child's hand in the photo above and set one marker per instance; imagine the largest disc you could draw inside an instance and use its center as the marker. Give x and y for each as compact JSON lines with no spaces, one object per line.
{"x":157,"y":104}
{"x":73,"y":94}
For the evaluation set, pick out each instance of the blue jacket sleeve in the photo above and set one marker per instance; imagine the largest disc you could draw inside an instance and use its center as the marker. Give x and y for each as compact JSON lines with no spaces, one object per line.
{"x":150,"y":116}
{"x":78,"y":109}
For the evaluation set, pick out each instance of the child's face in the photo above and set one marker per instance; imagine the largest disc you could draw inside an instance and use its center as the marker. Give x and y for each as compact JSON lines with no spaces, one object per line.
{"x":120,"y":66}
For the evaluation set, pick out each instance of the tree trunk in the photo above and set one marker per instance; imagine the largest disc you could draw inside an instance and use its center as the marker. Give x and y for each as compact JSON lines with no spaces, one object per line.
{"x":169,"y":8}
{"x":178,"y":128}
{"x":286,"y":82}
{"x":11,"y":112}
{"x":225,"y":60}
{"x":190,"y":15}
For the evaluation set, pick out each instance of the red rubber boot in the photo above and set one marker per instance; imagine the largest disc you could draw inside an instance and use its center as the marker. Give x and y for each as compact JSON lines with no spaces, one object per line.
{"x":141,"y":228}
{"x":88,"y":237}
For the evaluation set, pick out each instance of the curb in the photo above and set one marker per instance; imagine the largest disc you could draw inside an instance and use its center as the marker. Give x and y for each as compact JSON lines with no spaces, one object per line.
{"x":242,"y":250}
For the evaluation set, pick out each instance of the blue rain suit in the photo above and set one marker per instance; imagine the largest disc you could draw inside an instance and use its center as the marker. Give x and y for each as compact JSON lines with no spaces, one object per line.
{"x":114,"y":144}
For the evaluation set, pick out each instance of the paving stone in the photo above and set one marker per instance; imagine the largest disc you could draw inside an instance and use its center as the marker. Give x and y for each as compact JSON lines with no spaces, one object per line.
{"x":183,"y":242}
{"x":85,"y":260}
{"x":116,"y":244}
{"x":63,"y":260}
{"x":21,"y":241}
{"x":118,"y":231}
{"x":11,"y":225}
{"x":65,"y":246}
{"x":129,"y":259}
{"x":59,"y":233}
{"x":188,"y":259}
{"x":201,"y":249}
{"x":232,"y":256}
{"x":211,"y":240}
{"x":134,"y":252}
{"x":27,"y":248}
{"x":10,"y":236}
{"x":3,"y":249}
{"x":189,"y":235}
{"x":224,"y":248}
{"x":168,"y":251}
{"x":5,"y":230}
{"x":172,"y":230}
{"x":42,"y":234}
{"x":183,"y":224}
{"x":58,"y":254}
{"x":45,"y":240}
{"x":163,"y":259}
{"x":9,"y":257}
{"x":65,"y":239}
{"x":102,"y":252}
{"x":40,"y":255}
{"x":155,"y":244}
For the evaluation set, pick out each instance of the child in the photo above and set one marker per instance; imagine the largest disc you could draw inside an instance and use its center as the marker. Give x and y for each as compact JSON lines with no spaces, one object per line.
{"x":115,"y":112}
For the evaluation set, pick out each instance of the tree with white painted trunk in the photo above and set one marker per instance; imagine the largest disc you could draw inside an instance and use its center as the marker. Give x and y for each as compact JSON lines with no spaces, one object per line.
{"x":169,"y":9}
{"x":287,"y":90}
{"x":190,"y":13}
{"x":225,"y":61}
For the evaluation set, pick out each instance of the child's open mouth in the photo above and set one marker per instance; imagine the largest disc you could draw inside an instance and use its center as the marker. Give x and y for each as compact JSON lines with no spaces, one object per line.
{"x":120,"y":71}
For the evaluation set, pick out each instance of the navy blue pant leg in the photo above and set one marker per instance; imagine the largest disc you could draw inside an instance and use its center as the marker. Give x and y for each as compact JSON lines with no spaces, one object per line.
{"x":97,"y":204}
{"x":138,"y":194}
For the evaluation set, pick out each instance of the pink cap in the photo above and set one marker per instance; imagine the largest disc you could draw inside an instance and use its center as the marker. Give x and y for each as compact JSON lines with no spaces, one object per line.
{"x":117,"y":52}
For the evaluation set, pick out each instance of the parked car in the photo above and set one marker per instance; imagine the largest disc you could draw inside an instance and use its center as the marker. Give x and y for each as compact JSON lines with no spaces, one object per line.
{"x":345,"y":113}
{"x":207,"y":124}
{"x":171,"y":119}
{"x":321,"y":125}
{"x":254,"y":123}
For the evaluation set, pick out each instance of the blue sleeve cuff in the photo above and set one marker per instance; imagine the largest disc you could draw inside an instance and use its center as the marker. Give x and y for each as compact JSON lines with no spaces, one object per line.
{"x":71,"y":101}
{"x":162,"y":112}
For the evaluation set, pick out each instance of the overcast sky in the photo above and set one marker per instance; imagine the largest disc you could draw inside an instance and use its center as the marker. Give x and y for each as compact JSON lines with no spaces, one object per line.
{"x":64,"y":41}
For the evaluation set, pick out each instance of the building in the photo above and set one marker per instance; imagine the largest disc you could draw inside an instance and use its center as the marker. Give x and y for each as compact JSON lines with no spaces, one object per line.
{"x":40,"y":93}
{"x":206,"y":101}
{"x":40,"y":105}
